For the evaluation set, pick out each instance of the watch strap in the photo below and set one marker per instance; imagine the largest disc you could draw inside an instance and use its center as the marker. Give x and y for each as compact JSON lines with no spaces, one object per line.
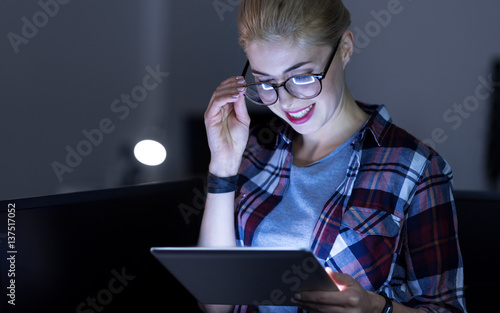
{"x":389,"y":307}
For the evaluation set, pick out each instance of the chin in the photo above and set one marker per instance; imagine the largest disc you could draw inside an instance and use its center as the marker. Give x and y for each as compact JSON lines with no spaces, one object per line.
{"x":305,"y":129}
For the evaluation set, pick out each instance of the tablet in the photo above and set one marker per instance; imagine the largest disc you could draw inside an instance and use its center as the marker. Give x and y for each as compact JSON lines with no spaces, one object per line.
{"x":245,"y":276}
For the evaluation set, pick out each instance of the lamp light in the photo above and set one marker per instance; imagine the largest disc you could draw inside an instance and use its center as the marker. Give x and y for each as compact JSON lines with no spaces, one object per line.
{"x":150,"y":152}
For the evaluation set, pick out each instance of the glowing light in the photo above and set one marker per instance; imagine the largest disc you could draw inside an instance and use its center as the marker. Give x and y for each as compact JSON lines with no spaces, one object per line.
{"x":150,"y":152}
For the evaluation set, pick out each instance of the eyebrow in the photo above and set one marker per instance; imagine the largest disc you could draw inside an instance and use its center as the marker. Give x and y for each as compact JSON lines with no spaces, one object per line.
{"x":291,"y":68}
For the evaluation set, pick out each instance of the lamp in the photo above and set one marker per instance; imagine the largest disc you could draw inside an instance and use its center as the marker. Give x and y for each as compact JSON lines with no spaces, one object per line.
{"x":149,"y":150}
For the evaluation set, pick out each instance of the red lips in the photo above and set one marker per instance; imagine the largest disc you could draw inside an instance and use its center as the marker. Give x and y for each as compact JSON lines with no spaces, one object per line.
{"x":300,"y":119}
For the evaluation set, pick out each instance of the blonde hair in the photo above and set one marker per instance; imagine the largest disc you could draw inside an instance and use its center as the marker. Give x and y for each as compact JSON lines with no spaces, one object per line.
{"x":313,"y":22}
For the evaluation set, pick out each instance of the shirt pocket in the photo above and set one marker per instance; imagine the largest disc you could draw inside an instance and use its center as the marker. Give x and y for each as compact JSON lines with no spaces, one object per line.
{"x":372,"y":222}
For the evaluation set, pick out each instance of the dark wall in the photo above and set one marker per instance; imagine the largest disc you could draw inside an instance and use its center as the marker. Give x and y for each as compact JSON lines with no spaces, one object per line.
{"x":419,"y":58}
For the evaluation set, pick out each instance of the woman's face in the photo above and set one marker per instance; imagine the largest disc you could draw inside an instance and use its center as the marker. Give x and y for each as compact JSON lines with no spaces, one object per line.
{"x":276,"y":62}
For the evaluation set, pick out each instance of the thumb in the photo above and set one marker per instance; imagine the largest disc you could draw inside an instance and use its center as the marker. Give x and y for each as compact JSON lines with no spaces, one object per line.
{"x":341,"y":280}
{"x":241,"y":110}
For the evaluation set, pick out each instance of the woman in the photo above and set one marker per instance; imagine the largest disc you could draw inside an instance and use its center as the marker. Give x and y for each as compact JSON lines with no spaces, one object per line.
{"x":372,"y":202}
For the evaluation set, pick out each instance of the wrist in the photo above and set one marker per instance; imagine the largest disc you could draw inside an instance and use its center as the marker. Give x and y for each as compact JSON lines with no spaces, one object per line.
{"x":377,"y":302}
{"x":388,"y":306}
{"x":224,"y":169}
{"x":216,"y":184}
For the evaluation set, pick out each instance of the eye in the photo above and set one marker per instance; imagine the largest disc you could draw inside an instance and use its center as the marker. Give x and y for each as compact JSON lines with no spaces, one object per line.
{"x":303,"y":79}
{"x":266,"y":87}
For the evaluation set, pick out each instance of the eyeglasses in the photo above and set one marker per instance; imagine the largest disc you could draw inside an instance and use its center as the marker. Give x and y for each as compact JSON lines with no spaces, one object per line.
{"x":304,"y":86}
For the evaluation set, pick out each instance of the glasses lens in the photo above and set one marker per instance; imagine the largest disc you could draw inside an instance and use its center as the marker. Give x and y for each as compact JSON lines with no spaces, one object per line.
{"x":304,"y":86}
{"x":262,"y":94}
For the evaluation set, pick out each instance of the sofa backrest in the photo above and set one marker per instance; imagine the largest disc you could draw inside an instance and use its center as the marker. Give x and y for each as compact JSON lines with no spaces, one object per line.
{"x":89,"y":251}
{"x":478,"y":220}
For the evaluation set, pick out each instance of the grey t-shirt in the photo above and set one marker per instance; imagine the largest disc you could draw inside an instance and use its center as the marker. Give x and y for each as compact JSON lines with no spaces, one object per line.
{"x":292,"y":222}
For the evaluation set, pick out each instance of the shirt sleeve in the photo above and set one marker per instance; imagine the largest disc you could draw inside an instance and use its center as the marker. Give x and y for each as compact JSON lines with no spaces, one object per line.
{"x":431,"y":258}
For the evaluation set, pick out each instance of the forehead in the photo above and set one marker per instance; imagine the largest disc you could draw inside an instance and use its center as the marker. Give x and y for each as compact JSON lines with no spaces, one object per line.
{"x":274,"y":58}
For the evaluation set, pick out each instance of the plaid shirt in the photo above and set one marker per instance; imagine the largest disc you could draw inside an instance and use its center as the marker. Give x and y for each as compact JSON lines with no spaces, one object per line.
{"x":391,"y":224}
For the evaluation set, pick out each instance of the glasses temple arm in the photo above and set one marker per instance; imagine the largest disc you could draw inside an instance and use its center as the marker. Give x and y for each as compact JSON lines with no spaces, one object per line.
{"x":332,"y":56}
{"x":245,"y":69}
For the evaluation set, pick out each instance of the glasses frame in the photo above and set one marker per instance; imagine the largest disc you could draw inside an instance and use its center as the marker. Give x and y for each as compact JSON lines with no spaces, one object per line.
{"x":319,"y":76}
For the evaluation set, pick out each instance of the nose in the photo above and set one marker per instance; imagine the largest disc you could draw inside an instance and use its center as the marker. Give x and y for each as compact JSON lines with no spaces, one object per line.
{"x":285,"y":99}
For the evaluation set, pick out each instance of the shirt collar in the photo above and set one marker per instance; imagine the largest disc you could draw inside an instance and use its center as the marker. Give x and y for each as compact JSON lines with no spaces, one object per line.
{"x":377,"y":124}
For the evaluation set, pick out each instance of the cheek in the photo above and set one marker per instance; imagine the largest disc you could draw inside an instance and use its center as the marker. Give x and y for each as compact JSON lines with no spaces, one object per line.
{"x":274,"y":109}
{"x":333,"y":90}
{"x":334,"y":81}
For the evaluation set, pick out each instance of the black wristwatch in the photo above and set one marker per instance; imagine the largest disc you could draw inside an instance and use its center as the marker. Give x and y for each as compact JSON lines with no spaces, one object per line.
{"x":388,"y":308}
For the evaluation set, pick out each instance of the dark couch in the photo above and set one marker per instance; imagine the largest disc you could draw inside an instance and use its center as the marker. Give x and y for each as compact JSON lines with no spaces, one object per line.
{"x":478,"y":217}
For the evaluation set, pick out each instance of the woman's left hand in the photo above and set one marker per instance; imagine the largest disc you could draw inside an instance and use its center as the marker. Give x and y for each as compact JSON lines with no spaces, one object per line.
{"x":351,"y":298}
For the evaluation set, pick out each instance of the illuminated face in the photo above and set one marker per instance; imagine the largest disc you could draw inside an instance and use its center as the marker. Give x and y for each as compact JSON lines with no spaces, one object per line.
{"x":277,"y":62}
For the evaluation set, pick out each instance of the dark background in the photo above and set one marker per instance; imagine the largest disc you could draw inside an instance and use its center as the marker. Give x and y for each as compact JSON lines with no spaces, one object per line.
{"x":90,"y":251}
{"x":420,"y":60}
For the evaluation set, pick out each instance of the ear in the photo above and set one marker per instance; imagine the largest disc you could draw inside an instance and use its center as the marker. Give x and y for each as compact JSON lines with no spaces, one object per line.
{"x":347,"y":47}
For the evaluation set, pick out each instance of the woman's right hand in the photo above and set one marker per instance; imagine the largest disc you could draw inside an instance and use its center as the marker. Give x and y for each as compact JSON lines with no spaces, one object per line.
{"x":227,"y":124}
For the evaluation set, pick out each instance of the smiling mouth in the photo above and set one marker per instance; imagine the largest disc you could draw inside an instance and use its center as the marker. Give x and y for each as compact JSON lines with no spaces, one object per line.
{"x":301,"y":113}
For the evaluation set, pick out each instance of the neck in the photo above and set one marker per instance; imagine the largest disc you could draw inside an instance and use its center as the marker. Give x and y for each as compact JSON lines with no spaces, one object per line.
{"x":347,"y":119}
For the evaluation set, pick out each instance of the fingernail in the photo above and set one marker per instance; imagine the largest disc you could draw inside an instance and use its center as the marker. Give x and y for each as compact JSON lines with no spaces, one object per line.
{"x":297,"y":296}
{"x":241,"y":89}
{"x":236,"y":96}
{"x":241,"y":81}
{"x":239,"y":77}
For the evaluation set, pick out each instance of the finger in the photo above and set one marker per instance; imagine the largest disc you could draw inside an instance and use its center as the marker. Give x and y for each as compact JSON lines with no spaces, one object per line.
{"x":342,"y":281}
{"x":329,"y":271}
{"x":224,"y":97}
{"x":320,"y":307}
{"x":241,"y":111}
{"x":229,"y":88}
{"x":333,"y":298}
{"x":232,"y":80}
{"x":221,"y":99}
{"x":233,"y":89}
